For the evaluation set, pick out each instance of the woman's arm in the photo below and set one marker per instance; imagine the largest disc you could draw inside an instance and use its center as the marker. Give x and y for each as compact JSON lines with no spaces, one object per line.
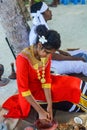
{"x":47,"y":92}
{"x":42,"y":113}
{"x":47,"y":87}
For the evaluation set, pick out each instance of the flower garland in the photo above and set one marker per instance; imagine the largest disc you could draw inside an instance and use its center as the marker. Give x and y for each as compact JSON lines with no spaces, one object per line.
{"x":41,"y":77}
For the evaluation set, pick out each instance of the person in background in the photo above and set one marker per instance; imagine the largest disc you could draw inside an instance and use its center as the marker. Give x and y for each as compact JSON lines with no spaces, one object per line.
{"x":69,"y":62}
{"x":62,"y":62}
{"x":40,"y":14}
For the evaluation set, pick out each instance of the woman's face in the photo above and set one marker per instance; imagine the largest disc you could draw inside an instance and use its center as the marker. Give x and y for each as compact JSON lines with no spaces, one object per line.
{"x":42,"y":52}
{"x":47,"y":14}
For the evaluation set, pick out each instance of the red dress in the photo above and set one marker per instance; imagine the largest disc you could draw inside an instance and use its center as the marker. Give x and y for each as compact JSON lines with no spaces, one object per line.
{"x":63,"y":88}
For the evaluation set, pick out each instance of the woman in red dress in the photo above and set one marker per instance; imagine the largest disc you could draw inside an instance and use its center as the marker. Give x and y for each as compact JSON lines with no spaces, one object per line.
{"x":36,"y":83}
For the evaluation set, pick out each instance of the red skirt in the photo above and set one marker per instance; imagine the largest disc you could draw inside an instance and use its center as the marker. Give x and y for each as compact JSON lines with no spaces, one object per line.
{"x":64,"y":88}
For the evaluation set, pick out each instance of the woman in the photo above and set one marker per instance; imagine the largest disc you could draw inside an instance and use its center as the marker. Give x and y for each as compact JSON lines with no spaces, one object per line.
{"x":35,"y":82}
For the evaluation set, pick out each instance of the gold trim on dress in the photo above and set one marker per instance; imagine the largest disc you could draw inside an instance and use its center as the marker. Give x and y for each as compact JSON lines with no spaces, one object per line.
{"x":26,"y":93}
{"x":37,"y":64}
{"x":29,"y":53}
{"x":46,"y":85}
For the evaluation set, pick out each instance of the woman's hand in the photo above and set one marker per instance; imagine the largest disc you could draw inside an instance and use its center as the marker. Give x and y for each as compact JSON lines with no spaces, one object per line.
{"x":50,"y":111}
{"x":44,"y":116}
{"x":47,"y":92}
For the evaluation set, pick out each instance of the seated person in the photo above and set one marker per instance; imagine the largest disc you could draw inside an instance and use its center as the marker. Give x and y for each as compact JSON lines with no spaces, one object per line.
{"x":35,"y":83}
{"x":61,"y":64}
{"x":69,"y":62}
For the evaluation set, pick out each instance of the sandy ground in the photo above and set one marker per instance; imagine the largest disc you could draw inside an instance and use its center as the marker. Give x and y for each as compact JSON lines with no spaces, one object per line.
{"x":70,"y":21}
{"x":6,"y":58}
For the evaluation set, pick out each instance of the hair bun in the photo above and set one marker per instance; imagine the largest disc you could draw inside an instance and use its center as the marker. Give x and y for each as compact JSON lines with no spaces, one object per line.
{"x":41,"y":30}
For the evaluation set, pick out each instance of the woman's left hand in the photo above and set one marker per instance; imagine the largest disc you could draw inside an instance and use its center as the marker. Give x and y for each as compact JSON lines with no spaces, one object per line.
{"x":50,"y":111}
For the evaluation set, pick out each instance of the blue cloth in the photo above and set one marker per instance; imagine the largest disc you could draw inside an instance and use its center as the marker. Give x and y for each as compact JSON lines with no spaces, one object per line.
{"x":83,"y":55}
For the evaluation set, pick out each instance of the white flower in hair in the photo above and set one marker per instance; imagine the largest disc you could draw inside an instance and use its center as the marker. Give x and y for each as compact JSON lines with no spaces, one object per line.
{"x":42,"y":39}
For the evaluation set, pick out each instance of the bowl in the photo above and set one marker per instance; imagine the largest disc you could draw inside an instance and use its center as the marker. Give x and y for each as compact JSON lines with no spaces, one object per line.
{"x":45,"y":125}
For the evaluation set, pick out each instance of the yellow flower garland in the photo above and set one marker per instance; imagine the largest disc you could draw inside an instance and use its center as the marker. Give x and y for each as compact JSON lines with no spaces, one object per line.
{"x":41,"y":78}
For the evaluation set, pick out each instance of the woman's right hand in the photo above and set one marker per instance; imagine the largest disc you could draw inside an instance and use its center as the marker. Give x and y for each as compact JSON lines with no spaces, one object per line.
{"x":45,"y":115}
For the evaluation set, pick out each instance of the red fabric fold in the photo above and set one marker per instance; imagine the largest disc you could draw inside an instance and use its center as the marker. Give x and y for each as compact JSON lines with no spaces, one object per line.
{"x":13,"y":107}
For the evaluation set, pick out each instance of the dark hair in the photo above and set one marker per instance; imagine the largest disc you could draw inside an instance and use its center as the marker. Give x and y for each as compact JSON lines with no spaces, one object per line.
{"x":52,"y":37}
{"x":35,"y":7}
